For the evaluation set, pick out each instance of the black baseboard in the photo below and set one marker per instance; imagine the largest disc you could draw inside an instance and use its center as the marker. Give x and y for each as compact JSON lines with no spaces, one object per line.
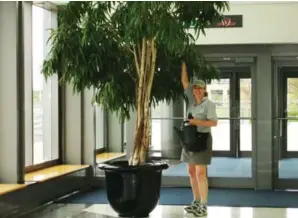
{"x":22,"y":202}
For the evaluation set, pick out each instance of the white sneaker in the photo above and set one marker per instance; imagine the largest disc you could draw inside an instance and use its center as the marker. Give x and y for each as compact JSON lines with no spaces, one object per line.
{"x":201,"y":211}
{"x":193,"y":208}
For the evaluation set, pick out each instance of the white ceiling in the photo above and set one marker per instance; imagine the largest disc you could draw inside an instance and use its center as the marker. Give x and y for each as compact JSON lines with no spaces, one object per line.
{"x":59,"y":2}
{"x":49,"y":5}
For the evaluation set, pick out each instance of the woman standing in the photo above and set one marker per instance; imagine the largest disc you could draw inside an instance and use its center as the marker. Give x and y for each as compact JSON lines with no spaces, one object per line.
{"x":204,"y":117}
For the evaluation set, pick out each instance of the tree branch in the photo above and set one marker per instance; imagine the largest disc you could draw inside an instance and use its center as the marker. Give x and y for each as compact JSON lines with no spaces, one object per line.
{"x":143,"y":56}
{"x":148,"y":61}
{"x":136,"y":61}
{"x":130,"y":75}
{"x":139,"y":50}
{"x":129,"y":49}
{"x":153,"y":64}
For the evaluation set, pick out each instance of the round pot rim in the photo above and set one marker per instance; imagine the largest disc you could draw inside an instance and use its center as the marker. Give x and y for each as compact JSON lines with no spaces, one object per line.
{"x":113,"y":166}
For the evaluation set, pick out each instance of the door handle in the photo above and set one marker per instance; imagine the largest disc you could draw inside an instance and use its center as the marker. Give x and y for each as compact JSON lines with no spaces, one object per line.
{"x":280,"y":128}
{"x":285,"y":113}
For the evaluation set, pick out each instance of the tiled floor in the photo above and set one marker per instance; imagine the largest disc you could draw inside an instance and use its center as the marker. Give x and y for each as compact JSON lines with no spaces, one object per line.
{"x":234,"y":167}
{"x":231,"y":168}
{"x":105,"y":211}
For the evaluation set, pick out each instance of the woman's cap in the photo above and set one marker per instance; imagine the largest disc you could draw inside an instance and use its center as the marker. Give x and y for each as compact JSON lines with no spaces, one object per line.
{"x":199,"y":83}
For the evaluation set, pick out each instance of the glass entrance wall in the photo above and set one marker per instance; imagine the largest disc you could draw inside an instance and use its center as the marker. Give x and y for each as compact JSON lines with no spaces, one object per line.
{"x":245,"y":112}
{"x":219,"y":93}
{"x":247,"y":128}
{"x":164,"y":140}
{"x":292,"y":114}
{"x":232,"y":95}
{"x":287,"y":119}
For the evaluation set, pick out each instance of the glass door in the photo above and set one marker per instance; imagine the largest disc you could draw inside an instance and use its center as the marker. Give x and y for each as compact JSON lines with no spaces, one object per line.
{"x":290,"y":114}
{"x":232,"y":138}
{"x":287,"y":125}
{"x":231,"y":164}
{"x":244,"y":112}
{"x":219,"y":91}
{"x":232,"y":95}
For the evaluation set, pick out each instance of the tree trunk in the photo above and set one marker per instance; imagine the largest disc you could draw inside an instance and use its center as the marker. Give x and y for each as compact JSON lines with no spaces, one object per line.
{"x":145,"y":64}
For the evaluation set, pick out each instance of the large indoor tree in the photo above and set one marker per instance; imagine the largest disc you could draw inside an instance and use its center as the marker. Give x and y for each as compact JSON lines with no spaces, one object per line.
{"x":130,"y":53}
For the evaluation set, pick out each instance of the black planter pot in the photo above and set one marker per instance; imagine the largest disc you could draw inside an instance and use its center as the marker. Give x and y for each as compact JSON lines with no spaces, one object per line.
{"x":133,"y":191}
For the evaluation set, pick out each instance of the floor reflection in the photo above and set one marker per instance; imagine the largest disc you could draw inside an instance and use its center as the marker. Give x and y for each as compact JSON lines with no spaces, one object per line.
{"x":214,"y":212}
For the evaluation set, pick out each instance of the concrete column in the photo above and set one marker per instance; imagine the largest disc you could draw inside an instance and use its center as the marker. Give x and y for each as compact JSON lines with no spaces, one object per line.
{"x":100,"y":130}
{"x":73,"y":127}
{"x":170,"y":143}
{"x":88,"y":129}
{"x":129,"y":133}
{"x":264,"y":97}
{"x":115,"y":138}
{"x":11,"y":93}
{"x":54,"y":123}
{"x":28,"y":83}
{"x":79,"y":145}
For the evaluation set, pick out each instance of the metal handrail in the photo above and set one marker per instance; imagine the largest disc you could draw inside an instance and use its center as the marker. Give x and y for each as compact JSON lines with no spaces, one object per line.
{"x":286,"y":118}
{"x":168,"y":118}
{"x":236,"y":118}
{"x":281,"y":123}
{"x":219,"y":118}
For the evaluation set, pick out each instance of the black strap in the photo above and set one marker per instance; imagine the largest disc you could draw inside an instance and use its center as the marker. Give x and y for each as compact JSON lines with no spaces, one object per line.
{"x":191,"y":140}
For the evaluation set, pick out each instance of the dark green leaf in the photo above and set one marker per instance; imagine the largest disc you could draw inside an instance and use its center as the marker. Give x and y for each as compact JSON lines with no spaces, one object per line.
{"x":91,"y":48}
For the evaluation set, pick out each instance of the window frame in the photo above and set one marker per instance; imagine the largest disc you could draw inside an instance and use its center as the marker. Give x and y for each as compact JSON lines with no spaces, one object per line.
{"x":60,"y":95}
{"x":104,"y":128}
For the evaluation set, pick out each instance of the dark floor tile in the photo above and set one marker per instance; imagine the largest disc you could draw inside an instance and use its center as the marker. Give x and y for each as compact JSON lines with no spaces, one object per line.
{"x":58,"y":211}
{"x":90,"y":215}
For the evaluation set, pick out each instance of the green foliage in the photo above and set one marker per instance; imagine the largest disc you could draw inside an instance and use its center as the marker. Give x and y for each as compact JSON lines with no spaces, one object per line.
{"x":94,"y":43}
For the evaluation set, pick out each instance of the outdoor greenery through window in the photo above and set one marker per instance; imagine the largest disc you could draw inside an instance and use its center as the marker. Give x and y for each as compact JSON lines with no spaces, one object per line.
{"x":292,"y":112}
{"x":44,"y":93}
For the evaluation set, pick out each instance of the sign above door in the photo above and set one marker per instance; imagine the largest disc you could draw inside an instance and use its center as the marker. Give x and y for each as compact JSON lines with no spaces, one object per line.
{"x":229,"y":21}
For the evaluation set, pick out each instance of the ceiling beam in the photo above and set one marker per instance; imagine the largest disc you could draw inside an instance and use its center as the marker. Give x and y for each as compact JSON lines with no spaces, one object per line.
{"x":49,"y":5}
